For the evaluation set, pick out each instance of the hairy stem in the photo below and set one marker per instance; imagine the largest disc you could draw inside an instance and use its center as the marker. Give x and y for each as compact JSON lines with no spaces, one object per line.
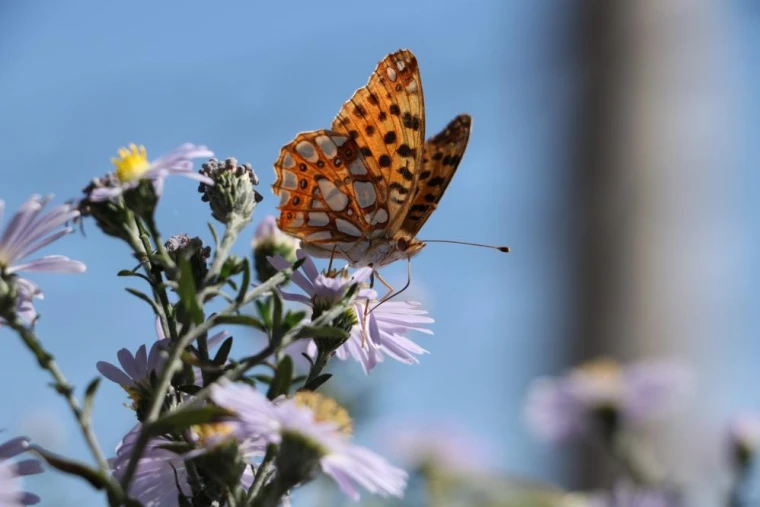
{"x":154,"y":273}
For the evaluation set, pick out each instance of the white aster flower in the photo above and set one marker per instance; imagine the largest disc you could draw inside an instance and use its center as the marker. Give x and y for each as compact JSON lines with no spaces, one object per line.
{"x":378,"y":332}
{"x":132,"y":166}
{"x":310,"y":425}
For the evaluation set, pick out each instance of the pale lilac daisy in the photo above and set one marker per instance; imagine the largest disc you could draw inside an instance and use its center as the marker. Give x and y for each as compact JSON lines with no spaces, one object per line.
{"x":570,"y":406}
{"x":161,"y":474}
{"x":321,"y":426}
{"x":134,"y":376}
{"x":28,"y":231}
{"x":625,"y":494}
{"x":132,"y":166}
{"x":377,"y":333}
{"x":11,"y":494}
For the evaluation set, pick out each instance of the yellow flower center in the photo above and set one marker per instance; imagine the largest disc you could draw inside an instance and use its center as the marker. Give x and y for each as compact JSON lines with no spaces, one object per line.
{"x":325,"y":409}
{"x":211,"y":432}
{"x":601,"y":369}
{"x":131,"y":163}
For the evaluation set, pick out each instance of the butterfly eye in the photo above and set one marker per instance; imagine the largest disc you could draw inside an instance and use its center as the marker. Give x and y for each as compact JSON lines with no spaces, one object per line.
{"x":402,"y":245}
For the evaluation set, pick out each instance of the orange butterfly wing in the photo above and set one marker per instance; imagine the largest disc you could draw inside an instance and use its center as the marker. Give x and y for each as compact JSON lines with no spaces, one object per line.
{"x":442,"y":155}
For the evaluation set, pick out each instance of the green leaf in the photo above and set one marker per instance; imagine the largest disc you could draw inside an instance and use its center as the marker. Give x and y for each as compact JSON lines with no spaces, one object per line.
{"x":243,"y":320}
{"x":267,"y":379}
{"x":223,"y":353}
{"x":282,"y":378}
{"x":181,"y":419}
{"x":318,"y":381}
{"x":214,"y":235}
{"x":277,"y":317}
{"x":129,"y":272}
{"x":322,"y":332}
{"x":246,"y":281}
{"x":89,"y":397}
{"x":187,"y":291}
{"x":92,"y":476}
{"x":144,"y":297}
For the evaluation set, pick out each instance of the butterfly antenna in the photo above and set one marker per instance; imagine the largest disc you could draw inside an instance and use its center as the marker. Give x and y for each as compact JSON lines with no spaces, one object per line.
{"x":504,"y":249}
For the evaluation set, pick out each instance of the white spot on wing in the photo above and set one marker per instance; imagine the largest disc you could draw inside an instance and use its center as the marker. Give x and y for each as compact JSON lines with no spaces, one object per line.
{"x":284,"y":197}
{"x":347,"y":227}
{"x":288,"y":162}
{"x":391,"y":73}
{"x":297,"y":221}
{"x":318,"y":218}
{"x":289,"y":180}
{"x":379,"y":217}
{"x":317,"y":204}
{"x":307,"y":151}
{"x":319,"y":236}
{"x":412,"y":86}
{"x":365,"y":193}
{"x":335,"y":199}
{"x":339,"y":140}
{"x":327,"y":146}
{"x":400,"y":64}
{"x":357,"y":167}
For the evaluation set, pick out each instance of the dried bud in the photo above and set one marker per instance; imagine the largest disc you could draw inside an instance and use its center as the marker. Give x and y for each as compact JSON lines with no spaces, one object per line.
{"x":183,"y":246}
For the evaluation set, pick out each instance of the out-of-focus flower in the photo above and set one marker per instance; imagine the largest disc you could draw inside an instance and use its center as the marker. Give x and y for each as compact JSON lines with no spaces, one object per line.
{"x":603,"y":395}
{"x":132,"y":166}
{"x":440,"y":445}
{"x":312,"y":433}
{"x":28,"y":231}
{"x":375,"y":331}
{"x":10,"y":472}
{"x":743,"y":439}
{"x":270,"y":241}
{"x":183,"y":246}
{"x":628,"y":495}
{"x":231,"y":195}
{"x":161,"y":474}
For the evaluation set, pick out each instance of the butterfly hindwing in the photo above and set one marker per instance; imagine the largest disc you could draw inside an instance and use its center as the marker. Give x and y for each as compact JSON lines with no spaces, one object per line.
{"x":386,"y":119}
{"x":442,"y":155}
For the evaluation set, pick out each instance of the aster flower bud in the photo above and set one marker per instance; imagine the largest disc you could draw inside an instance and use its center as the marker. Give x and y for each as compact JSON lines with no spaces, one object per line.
{"x":111,"y":216}
{"x":270,"y":241}
{"x":192,"y":249}
{"x":232,"y":196}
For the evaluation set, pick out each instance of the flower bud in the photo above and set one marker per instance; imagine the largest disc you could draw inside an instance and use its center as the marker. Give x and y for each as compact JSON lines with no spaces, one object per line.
{"x":232,"y":197}
{"x":270,"y":241}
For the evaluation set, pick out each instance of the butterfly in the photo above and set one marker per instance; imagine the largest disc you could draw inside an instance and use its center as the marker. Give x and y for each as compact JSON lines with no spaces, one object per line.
{"x":363,"y":189}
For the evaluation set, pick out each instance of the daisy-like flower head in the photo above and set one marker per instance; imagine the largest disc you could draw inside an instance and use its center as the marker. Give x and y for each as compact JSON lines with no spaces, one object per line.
{"x":132,"y":166}
{"x":137,"y":370}
{"x":270,"y":241}
{"x":28,"y":231}
{"x":312,"y":433}
{"x":10,"y":472}
{"x":743,"y":439}
{"x":161,"y":474}
{"x":373,"y":334}
{"x":603,"y":395}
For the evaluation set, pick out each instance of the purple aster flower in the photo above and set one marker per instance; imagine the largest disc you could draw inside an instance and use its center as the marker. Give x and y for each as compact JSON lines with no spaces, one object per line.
{"x":28,"y":231}
{"x":376,"y":333}
{"x":627,"y":495}
{"x":10,"y":472}
{"x":161,"y":474}
{"x":317,"y":426}
{"x":270,"y":241}
{"x":559,"y":409}
{"x":136,"y":369}
{"x":132,"y":165}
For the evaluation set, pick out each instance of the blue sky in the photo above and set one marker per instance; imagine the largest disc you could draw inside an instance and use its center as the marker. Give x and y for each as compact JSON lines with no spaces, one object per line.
{"x":81,"y":79}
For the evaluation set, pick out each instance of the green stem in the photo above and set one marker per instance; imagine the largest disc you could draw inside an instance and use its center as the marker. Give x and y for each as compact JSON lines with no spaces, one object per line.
{"x":62,"y":386}
{"x":174,"y":363}
{"x":261,"y":473}
{"x":231,"y":232}
{"x":154,"y":273}
{"x":317,"y":366}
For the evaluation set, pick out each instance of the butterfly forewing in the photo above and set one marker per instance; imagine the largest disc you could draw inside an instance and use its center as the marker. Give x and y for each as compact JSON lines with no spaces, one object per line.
{"x":442,"y":155}
{"x":386,"y":119}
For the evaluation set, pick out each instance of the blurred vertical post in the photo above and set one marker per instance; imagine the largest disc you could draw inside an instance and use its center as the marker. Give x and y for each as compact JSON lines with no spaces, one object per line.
{"x":655,"y":176}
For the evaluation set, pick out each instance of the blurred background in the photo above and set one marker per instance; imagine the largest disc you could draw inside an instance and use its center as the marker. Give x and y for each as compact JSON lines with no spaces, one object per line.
{"x":613,"y":149}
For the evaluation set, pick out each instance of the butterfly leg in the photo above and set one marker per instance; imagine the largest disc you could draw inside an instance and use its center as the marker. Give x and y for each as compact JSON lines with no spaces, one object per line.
{"x":366,"y":307}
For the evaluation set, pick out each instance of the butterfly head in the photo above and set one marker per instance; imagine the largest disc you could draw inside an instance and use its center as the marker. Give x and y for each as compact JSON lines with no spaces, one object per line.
{"x":403,"y":247}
